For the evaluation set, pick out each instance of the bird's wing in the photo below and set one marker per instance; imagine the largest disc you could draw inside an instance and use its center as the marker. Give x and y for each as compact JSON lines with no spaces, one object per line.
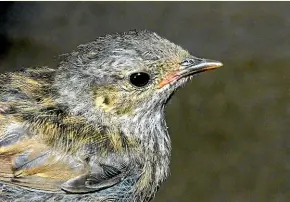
{"x":31,"y":164}
{"x":42,"y":156}
{"x":30,"y":161}
{"x":106,"y":176}
{"x":24,"y":160}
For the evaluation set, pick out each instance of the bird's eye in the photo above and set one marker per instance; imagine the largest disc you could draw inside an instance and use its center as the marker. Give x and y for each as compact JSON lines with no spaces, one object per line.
{"x":139,"y":79}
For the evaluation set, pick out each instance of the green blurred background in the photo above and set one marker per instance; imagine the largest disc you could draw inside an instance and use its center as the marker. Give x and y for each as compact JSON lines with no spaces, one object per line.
{"x":229,"y":127}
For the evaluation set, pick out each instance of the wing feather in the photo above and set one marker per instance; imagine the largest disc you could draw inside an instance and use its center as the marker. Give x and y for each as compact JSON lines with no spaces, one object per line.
{"x":39,"y":139}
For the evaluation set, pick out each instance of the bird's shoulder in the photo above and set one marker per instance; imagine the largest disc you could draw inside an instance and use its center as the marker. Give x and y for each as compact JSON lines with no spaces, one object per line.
{"x":24,"y":88}
{"x":25,"y":158}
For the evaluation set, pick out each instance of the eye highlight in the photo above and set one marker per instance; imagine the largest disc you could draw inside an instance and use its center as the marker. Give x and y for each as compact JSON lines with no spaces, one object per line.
{"x":139,"y":79}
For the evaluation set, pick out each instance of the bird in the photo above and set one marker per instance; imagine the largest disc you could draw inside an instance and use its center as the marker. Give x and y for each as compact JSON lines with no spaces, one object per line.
{"x":93,"y":128}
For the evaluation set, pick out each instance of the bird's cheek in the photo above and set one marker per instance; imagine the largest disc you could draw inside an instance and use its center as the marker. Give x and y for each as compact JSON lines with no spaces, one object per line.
{"x":104,"y":102}
{"x":114,"y":104}
{"x":106,"y":98}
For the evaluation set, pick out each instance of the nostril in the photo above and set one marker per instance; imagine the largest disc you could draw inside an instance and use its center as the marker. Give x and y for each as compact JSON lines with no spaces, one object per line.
{"x":190,"y":62}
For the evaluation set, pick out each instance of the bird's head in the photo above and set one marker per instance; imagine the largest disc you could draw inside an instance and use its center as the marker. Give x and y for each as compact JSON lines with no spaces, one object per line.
{"x":126,"y":74}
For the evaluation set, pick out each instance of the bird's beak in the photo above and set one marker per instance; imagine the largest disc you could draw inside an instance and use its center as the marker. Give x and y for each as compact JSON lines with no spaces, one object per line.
{"x":190,"y":66}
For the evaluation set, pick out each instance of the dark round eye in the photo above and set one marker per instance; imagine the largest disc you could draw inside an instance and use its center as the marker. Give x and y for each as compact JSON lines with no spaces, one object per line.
{"x":140,"y":79}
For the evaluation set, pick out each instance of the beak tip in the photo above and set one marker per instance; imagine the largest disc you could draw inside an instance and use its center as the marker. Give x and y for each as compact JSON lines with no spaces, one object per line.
{"x":213,"y":63}
{"x":219,"y":64}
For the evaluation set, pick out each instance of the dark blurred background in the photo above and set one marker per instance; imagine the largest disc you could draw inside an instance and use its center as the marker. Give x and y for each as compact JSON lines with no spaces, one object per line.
{"x":229,"y":127}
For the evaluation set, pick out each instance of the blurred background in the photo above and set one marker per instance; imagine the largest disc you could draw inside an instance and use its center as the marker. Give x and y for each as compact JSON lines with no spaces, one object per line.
{"x":229,"y":127}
